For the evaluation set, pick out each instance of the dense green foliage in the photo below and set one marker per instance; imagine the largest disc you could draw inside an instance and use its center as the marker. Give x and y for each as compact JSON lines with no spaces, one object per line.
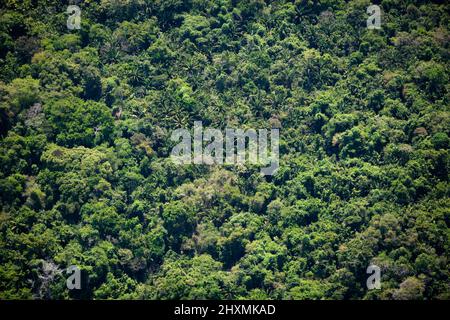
{"x":86,"y":179}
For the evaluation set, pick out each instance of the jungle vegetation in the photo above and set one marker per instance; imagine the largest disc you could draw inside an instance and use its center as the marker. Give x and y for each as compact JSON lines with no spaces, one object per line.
{"x":86,"y":179}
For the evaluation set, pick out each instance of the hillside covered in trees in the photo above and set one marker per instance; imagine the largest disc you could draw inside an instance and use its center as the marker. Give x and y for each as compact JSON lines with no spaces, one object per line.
{"x":86,"y":176}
